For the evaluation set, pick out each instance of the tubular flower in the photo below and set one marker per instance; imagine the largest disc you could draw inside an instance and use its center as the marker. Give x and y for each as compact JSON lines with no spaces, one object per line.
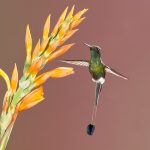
{"x":60,"y":51}
{"x":31,"y":99}
{"x":46,"y":28}
{"x":60,"y":20}
{"x":28,"y":43}
{"x":36,"y":50}
{"x":20,"y":94}
{"x":14,"y":79}
{"x":56,"y":73}
{"x":6,"y":78}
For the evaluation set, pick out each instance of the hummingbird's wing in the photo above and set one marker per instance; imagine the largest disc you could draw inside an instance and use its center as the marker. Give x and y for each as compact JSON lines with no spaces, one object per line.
{"x":83,"y":63}
{"x":112,"y":71}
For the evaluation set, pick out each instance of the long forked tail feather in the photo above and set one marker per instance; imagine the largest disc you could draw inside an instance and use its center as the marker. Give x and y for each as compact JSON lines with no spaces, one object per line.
{"x":91,"y":127}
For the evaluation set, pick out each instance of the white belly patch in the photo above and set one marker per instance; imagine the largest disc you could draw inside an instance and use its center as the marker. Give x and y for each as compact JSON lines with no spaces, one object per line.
{"x":101,"y":80}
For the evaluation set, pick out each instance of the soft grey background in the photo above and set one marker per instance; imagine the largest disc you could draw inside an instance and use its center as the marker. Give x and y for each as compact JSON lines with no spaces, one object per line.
{"x":122,"y":29}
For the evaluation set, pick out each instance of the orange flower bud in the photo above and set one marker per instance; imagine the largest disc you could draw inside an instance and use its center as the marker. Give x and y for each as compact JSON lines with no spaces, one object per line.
{"x":31,"y":99}
{"x":60,"y":51}
{"x":36,"y":50}
{"x":56,"y":73}
{"x":14,"y":79}
{"x":28,"y":43}
{"x":46,"y":28}
{"x":36,"y":66}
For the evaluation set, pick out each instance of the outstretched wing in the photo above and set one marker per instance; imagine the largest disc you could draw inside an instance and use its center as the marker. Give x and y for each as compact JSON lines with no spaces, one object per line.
{"x":112,"y":71}
{"x":83,"y":63}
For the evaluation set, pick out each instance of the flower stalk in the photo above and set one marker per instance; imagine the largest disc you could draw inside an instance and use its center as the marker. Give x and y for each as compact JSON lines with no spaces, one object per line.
{"x":28,"y":91}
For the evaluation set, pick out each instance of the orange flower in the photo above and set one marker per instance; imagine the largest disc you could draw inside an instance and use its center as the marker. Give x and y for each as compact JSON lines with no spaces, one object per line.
{"x":46,"y":28}
{"x":67,"y":36}
{"x":56,"y":73}
{"x":60,"y":20}
{"x":6,"y":78}
{"x":59,"y":52}
{"x":76,"y":23}
{"x":44,"y":45}
{"x":61,"y":72}
{"x":70,"y":15}
{"x":28,"y":43}
{"x":36,"y":66}
{"x":14,"y":79}
{"x":5,"y":102}
{"x":79,"y":14}
{"x":52,"y":47}
{"x":36,"y":50}
{"x":31,"y":99}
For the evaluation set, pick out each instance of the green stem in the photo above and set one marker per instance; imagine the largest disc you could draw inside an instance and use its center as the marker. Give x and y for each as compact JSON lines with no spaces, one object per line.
{"x":5,"y":138}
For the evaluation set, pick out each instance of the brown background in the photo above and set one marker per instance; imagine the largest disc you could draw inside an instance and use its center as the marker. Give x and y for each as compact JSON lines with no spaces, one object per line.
{"x":122,"y":29}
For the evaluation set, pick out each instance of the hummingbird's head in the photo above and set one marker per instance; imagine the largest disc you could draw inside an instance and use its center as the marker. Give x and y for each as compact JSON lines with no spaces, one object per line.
{"x":94,"y":48}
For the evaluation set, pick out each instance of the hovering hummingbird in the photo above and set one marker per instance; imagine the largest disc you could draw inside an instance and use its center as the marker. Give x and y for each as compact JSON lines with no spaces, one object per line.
{"x":98,"y":72}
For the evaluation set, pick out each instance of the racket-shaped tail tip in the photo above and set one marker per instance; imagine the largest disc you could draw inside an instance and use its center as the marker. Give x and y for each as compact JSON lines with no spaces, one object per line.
{"x":90,"y":129}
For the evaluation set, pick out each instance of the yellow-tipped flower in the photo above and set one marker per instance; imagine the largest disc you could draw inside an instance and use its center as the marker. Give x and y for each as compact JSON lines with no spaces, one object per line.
{"x":60,"y":20}
{"x":46,"y":28}
{"x":61,"y":72}
{"x":52,"y":47}
{"x":6,"y":78}
{"x":70,"y":15}
{"x":36,"y":66}
{"x":14,"y":79}
{"x":68,"y":35}
{"x":55,"y":73}
{"x":79,"y":14}
{"x":31,"y":99}
{"x":36,"y":50}
{"x":5,"y":102}
{"x":44,"y":44}
{"x":76,"y":23}
{"x":60,"y":51}
{"x":28,"y":43}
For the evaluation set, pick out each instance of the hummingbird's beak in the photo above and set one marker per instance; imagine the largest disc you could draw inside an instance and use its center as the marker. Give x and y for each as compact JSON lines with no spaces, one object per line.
{"x":87,"y":45}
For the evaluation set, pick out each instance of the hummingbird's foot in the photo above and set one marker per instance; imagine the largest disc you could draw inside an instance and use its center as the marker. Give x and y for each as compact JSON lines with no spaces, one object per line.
{"x":90,"y":129}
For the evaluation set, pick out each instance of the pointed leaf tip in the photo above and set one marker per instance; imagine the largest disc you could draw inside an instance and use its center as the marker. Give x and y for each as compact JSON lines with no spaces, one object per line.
{"x":28,"y":43}
{"x":46,"y":28}
{"x":28,"y":39}
{"x":79,"y":14}
{"x":36,"y":50}
{"x":71,"y":12}
{"x":14,"y":79}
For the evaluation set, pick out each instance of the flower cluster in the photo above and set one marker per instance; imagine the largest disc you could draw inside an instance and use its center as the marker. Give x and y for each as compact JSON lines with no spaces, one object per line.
{"x":25,"y":93}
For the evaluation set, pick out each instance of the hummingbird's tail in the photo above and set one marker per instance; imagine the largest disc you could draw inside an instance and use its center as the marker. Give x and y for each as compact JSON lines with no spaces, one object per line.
{"x":91,"y":127}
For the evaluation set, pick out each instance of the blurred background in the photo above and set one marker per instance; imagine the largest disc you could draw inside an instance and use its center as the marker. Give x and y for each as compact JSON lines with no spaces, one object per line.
{"x":122,"y":29}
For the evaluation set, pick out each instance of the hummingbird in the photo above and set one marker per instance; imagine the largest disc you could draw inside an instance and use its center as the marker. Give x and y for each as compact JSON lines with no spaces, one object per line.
{"x":98,"y":71}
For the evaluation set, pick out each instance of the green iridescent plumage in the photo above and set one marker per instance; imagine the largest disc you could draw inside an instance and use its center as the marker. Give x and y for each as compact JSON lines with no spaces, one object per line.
{"x":96,"y":68}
